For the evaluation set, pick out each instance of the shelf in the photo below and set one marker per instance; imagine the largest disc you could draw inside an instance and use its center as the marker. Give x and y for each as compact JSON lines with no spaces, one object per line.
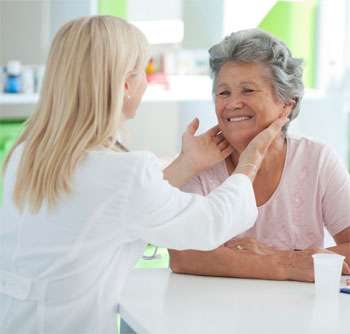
{"x":182,"y":88}
{"x":10,"y":99}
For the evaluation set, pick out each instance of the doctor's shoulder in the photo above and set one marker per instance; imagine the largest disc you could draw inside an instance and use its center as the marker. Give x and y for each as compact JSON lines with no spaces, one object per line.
{"x":123,"y":165}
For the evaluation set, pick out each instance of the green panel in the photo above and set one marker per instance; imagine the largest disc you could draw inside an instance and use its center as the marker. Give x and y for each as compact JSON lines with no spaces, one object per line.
{"x":161,"y":261}
{"x":113,"y":7}
{"x":295,"y":24}
{"x":9,"y":132}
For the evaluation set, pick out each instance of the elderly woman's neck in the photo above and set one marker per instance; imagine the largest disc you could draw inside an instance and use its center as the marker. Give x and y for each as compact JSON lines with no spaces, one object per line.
{"x":276,"y":149}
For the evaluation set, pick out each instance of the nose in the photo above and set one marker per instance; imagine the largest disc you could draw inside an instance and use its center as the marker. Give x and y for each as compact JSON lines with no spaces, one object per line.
{"x":234,"y":102}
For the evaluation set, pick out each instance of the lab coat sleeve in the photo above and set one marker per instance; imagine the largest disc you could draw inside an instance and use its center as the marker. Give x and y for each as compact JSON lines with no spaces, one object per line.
{"x":163,"y":215}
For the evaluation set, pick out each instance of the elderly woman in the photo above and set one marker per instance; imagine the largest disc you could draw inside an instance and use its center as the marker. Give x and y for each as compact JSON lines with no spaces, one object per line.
{"x":301,"y":187}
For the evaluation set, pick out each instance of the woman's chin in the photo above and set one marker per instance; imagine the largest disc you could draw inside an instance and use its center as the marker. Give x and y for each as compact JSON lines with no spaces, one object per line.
{"x":241,"y":139}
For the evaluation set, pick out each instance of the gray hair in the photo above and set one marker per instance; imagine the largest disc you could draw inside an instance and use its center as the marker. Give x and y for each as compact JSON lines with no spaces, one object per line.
{"x":255,"y":45}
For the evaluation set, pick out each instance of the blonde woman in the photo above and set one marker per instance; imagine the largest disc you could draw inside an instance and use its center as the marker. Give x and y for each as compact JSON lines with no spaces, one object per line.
{"x":78,"y":210}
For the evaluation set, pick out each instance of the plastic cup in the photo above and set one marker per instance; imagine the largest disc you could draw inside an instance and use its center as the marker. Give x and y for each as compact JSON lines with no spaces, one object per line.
{"x":327,"y":269}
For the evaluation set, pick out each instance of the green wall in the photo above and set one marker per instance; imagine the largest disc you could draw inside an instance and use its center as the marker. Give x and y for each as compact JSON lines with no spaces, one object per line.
{"x":9,"y":131}
{"x":113,"y":7}
{"x":295,"y":24}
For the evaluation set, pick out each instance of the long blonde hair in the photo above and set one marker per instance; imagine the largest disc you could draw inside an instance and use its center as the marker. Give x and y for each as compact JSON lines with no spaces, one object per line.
{"x":80,"y":105}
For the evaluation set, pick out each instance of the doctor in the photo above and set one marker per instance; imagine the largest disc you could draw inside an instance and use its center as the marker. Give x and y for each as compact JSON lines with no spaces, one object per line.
{"x":78,"y":210}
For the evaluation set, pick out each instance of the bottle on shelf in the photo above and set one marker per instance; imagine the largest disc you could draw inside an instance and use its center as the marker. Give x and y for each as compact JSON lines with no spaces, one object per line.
{"x":28,"y":83}
{"x":13,"y":77}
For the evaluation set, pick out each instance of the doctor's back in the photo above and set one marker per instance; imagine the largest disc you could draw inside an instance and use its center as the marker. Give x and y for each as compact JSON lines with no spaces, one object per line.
{"x":76,"y":256}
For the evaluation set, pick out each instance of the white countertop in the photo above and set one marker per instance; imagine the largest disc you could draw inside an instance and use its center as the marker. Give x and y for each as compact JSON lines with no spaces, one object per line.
{"x":156,"y":301}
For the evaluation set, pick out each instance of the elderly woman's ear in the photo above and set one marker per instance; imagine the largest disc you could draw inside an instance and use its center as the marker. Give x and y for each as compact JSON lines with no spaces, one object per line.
{"x":289,"y":106}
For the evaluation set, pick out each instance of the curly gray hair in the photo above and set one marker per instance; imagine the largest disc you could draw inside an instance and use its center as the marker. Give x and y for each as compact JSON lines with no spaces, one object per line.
{"x":255,"y":45}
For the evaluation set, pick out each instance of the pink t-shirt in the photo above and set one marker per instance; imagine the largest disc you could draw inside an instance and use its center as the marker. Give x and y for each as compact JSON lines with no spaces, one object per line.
{"x":313,"y":193}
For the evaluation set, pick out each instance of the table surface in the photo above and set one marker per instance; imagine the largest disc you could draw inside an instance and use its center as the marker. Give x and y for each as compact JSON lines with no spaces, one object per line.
{"x":156,"y":301}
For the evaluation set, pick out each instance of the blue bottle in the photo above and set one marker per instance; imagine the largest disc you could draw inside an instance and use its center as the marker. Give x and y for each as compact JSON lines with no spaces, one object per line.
{"x":13,"y":79}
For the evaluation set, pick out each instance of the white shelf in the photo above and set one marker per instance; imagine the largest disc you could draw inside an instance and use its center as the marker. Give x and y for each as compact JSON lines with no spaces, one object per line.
{"x":181,"y":88}
{"x":11,"y":99}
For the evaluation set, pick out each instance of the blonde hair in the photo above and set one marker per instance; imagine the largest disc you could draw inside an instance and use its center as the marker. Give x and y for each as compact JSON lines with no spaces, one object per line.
{"x":80,"y":105}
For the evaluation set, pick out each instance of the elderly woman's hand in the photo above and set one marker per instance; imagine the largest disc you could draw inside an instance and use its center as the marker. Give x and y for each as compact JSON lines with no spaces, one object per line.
{"x":203,"y":151}
{"x":294,"y":265}
{"x":300,"y":265}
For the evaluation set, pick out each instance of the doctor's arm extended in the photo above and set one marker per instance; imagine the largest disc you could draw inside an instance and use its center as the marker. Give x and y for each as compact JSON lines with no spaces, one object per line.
{"x":189,"y":221}
{"x":202,"y":152}
{"x":157,"y":212}
{"x":161,"y":214}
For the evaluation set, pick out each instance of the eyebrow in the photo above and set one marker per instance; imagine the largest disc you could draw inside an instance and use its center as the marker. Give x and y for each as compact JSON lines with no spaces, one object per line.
{"x":249,"y":83}
{"x":222,"y":85}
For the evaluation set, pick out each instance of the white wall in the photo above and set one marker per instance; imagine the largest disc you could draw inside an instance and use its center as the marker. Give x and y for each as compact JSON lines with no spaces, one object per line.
{"x":324,"y":118}
{"x":24,"y":31}
{"x":204,"y":23}
{"x":156,"y":128}
{"x":27,"y":28}
{"x":139,"y":10}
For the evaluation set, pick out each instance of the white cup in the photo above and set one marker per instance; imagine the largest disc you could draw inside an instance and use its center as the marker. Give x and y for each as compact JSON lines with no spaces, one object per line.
{"x":327,"y":269}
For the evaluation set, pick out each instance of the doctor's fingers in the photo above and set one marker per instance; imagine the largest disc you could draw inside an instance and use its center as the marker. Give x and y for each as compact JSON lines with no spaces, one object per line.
{"x":215,"y":130}
{"x":226,"y":151}
{"x":263,"y":140}
{"x":223,"y":145}
{"x":218,"y":138}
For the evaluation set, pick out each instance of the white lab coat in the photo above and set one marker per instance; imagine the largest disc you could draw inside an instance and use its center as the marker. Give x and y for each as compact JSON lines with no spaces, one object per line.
{"x":62,"y":271}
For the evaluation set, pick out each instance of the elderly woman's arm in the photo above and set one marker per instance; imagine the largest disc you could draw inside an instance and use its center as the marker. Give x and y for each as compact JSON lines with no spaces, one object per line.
{"x":251,"y":260}
{"x":335,"y":202}
{"x":226,"y":262}
{"x":248,"y":258}
{"x":343,"y":244}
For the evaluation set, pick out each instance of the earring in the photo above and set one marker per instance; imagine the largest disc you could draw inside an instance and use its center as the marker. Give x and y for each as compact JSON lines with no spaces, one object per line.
{"x":128,"y":97}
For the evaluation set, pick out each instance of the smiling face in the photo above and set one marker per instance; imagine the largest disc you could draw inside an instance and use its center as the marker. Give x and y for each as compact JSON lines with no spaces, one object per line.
{"x":245,"y":101}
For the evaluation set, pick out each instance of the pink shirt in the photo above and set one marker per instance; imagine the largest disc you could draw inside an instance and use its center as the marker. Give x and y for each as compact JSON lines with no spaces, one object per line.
{"x":313,"y":193}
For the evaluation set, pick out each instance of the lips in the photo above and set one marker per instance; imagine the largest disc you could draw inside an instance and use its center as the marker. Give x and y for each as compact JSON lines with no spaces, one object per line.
{"x":239,"y":118}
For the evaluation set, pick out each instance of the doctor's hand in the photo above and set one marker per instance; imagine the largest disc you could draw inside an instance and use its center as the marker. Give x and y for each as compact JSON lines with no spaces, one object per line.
{"x":251,"y":158}
{"x":203,"y":151}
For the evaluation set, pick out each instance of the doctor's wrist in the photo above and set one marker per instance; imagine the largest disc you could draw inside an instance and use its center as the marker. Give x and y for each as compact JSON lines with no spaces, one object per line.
{"x":248,"y":169}
{"x":179,"y":172}
{"x":188,"y":167}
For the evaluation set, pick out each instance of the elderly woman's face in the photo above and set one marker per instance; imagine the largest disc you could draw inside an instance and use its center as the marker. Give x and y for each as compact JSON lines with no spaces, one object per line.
{"x":245,"y":101}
